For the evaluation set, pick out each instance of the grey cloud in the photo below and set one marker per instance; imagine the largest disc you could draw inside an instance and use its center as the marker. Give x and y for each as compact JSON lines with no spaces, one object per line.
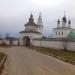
{"x":15,"y":13}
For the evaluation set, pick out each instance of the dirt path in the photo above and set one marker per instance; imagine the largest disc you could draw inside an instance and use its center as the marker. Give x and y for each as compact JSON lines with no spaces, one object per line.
{"x":22,"y":61}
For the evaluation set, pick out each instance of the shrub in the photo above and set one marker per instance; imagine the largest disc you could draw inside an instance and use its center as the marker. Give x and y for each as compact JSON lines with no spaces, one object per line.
{"x":3,"y":44}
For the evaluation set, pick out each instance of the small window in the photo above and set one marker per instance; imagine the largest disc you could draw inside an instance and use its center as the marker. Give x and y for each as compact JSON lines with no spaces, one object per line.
{"x":62,"y":33}
{"x":59,"y":33}
{"x":56,"y":33}
{"x":39,"y":26}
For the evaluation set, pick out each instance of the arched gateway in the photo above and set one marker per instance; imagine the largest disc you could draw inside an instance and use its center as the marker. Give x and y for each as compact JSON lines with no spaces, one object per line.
{"x":31,"y":32}
{"x":26,"y":41}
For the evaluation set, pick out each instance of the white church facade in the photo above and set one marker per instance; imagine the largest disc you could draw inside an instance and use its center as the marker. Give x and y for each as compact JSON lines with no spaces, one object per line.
{"x":32,"y":31}
{"x":63,"y":28}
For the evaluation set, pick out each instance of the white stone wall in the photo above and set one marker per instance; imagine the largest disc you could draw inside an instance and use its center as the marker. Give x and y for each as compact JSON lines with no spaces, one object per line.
{"x":64,"y":24}
{"x":54,"y":44}
{"x":71,"y":46}
{"x":31,"y":36}
{"x":48,"y":44}
{"x":40,"y":28}
{"x":30,"y":27}
{"x":15,"y":42}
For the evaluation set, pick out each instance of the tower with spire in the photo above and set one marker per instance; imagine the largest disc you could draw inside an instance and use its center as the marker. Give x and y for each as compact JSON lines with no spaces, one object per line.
{"x":40,"y":24}
{"x":64,"y":21}
{"x":32,"y":31}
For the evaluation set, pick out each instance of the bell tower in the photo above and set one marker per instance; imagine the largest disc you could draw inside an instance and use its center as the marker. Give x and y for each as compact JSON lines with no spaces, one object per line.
{"x":40,"y":24}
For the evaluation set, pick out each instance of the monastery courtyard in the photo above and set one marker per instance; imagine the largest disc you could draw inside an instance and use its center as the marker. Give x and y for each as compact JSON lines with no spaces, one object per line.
{"x":23,"y":61}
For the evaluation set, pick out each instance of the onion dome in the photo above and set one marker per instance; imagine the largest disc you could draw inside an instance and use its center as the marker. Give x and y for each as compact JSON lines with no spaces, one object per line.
{"x":58,"y":21}
{"x":31,"y":18}
{"x":64,"y":19}
{"x":69,"y":22}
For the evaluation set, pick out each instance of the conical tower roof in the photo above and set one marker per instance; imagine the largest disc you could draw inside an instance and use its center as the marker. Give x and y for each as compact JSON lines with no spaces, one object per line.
{"x":39,"y":22}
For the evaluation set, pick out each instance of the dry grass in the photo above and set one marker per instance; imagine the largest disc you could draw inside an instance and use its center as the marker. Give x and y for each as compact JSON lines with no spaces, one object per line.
{"x":1,"y":56}
{"x":4,"y":45}
{"x":68,"y":56}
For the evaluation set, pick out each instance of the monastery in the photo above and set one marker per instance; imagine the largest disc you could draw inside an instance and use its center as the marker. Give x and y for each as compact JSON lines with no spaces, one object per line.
{"x":63,"y":36}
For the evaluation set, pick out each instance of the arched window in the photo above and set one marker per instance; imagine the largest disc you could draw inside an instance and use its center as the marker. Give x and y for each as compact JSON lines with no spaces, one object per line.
{"x":56,"y":33}
{"x":39,"y":26}
{"x":59,"y":33}
{"x":62,"y":33}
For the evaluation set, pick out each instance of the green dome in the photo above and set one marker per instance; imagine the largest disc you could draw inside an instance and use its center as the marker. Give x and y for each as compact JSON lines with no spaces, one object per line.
{"x":71,"y":34}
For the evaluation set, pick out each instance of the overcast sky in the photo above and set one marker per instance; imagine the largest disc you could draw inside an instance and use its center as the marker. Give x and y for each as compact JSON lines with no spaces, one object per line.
{"x":15,"y":13}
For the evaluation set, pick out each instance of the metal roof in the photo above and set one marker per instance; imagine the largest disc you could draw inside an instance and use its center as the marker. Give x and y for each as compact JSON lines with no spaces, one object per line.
{"x":71,"y":34}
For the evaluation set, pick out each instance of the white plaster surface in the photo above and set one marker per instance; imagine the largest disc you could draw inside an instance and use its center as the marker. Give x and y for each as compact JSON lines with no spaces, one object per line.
{"x":70,"y":45}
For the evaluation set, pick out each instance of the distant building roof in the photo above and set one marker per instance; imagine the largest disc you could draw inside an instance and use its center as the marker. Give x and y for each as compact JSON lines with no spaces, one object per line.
{"x":11,"y":38}
{"x":30,"y":32}
{"x":1,"y":38}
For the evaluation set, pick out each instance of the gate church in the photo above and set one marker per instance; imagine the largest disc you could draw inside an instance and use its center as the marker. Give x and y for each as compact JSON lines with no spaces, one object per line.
{"x":32,"y":31}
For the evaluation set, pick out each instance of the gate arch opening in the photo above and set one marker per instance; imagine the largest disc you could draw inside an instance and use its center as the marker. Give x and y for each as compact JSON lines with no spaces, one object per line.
{"x":26,"y":41}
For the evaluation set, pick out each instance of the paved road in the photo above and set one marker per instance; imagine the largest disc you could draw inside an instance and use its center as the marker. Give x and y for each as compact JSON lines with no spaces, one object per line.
{"x":22,"y":61}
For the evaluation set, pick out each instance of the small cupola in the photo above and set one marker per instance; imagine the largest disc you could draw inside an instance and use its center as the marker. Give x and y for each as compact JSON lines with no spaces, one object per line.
{"x":64,"y":19}
{"x":58,"y":23}
{"x":31,"y":18}
{"x":69,"y":23}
